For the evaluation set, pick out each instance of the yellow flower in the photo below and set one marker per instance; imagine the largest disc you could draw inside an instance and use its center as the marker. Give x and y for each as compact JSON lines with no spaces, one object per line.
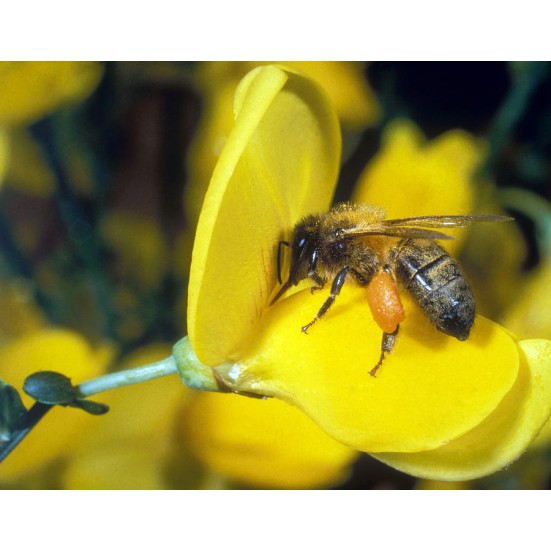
{"x":440,"y":408}
{"x":261,"y":443}
{"x":433,"y":177}
{"x":32,"y":89}
{"x":56,"y":436}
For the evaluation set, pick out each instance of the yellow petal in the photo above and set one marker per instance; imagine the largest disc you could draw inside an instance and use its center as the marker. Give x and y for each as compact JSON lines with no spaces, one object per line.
{"x":57,"y":434}
{"x":500,"y":438}
{"x":493,"y":257}
{"x":529,"y":316}
{"x":32,"y":89}
{"x":346,"y":84}
{"x":264,"y":443}
{"x":279,"y":162}
{"x":411,"y":176}
{"x":431,"y":389}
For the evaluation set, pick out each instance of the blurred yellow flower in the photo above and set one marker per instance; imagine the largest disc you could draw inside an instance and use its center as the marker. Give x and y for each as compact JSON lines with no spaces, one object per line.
{"x":32,"y":89}
{"x":433,"y":177}
{"x":261,"y":443}
{"x":57,"y":435}
{"x":128,"y":447}
{"x":440,"y":409}
{"x":530,"y":315}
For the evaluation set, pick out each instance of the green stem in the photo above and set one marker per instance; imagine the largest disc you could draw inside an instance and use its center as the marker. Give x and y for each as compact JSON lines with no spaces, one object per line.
{"x":131,"y":376}
{"x":183,"y":361}
{"x":529,"y":76}
{"x":534,"y":207}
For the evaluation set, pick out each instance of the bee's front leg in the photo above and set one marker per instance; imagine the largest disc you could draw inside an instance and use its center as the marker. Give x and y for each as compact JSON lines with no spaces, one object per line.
{"x":336,"y":287}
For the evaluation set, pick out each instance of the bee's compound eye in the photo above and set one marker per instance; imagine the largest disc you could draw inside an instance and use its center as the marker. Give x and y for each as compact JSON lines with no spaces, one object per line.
{"x":301,"y":243}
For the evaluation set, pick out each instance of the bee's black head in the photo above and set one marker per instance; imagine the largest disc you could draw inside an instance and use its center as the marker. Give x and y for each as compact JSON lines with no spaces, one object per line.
{"x":304,"y":253}
{"x":304,"y":250}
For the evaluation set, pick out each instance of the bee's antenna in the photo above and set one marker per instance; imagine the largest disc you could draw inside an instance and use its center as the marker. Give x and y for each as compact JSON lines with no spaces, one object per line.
{"x":286,"y":243}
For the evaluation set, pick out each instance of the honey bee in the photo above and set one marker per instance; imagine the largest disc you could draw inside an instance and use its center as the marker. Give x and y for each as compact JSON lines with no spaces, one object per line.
{"x":355,"y":241}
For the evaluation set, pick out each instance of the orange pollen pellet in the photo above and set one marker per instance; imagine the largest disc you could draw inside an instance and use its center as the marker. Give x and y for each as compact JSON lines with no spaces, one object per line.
{"x":384,"y":300}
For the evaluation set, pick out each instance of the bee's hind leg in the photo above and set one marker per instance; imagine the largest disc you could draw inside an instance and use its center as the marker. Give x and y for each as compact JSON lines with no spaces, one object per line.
{"x":387,"y":344}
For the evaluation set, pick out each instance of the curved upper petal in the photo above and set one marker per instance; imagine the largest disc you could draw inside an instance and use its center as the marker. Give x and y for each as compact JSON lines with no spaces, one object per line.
{"x":280,"y":162}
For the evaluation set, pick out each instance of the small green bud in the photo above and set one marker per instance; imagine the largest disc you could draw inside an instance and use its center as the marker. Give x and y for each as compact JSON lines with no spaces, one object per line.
{"x":49,"y":387}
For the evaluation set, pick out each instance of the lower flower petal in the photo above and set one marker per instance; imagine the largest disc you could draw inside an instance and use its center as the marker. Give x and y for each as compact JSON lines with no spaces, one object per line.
{"x":500,"y":438}
{"x":431,"y":389}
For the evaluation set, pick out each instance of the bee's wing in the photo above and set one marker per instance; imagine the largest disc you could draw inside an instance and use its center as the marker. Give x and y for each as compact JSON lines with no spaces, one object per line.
{"x":416,"y":227}
{"x":446,"y":221}
{"x":382,"y":228}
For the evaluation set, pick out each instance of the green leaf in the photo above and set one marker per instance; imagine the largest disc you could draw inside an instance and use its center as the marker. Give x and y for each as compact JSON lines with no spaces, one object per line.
{"x":94,"y":408}
{"x":12,"y":411}
{"x":49,"y":387}
{"x":52,"y":388}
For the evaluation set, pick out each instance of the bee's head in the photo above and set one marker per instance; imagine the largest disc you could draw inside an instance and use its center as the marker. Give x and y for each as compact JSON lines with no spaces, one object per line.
{"x":304,"y":253}
{"x":304,"y":250}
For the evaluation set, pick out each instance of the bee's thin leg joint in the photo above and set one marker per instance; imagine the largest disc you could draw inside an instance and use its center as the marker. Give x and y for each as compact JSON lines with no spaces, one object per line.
{"x":336,"y":287}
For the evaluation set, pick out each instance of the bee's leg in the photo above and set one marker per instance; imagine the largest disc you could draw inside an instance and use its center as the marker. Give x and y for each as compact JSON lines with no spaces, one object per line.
{"x":387,"y":344}
{"x":319,"y":281}
{"x":336,"y":287}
